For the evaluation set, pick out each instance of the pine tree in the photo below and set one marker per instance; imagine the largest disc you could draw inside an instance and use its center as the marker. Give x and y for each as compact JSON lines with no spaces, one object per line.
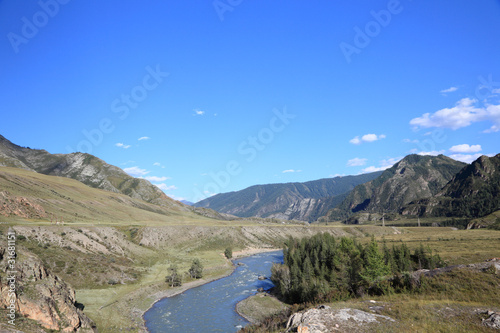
{"x":196,"y":270}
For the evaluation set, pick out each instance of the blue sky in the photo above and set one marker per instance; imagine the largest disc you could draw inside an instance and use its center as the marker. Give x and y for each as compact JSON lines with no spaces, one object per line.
{"x":202,"y":97}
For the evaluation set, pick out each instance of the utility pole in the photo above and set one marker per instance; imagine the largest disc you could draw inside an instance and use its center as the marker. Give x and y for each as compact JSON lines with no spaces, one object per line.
{"x":383,"y":219}
{"x":419,"y":221}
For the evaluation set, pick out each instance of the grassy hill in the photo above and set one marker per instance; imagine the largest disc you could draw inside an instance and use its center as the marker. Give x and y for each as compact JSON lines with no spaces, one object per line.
{"x":26,"y":195}
{"x":85,"y":168}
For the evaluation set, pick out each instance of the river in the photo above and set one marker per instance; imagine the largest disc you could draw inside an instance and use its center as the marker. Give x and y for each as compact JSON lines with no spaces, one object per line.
{"x":211,"y":307}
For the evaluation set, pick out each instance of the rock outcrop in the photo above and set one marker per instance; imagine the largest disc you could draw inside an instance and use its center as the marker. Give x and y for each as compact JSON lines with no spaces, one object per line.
{"x":42,"y":296}
{"x":20,"y":206}
{"x":323,"y":319}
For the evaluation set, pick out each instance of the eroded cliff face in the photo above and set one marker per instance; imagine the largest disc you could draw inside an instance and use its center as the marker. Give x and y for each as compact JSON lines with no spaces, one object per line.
{"x":41,"y":295}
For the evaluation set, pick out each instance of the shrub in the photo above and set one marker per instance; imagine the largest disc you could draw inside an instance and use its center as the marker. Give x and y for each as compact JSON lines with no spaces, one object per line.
{"x":228,"y":252}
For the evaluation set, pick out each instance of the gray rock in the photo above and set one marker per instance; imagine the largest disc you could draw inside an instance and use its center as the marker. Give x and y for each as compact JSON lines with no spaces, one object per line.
{"x":325,"y":320}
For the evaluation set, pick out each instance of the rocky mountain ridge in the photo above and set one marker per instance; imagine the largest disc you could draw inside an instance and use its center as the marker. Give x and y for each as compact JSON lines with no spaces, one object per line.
{"x":414,"y":177}
{"x":473,"y":192}
{"x":85,"y":168}
{"x":300,"y":201}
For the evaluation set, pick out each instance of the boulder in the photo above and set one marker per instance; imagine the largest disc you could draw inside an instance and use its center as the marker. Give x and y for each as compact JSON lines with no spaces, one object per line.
{"x":493,"y":321}
{"x":324,"y":320}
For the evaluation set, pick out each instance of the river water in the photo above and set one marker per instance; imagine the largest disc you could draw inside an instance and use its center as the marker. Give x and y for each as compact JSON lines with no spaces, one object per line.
{"x":211,"y":307}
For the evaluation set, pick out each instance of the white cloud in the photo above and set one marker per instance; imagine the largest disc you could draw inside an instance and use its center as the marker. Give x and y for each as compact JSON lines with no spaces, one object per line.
{"x":159,"y":165}
{"x":410,"y":141}
{"x":144,"y":138}
{"x":121,"y":145}
{"x":291,"y":170}
{"x":198,"y":112}
{"x":355,"y":140}
{"x":466,"y":158}
{"x":366,"y":138}
{"x":465,"y":148}
{"x":176,"y":197}
{"x":156,"y":179}
{"x":356,"y":161}
{"x":449,"y":90}
{"x":384,"y":164}
{"x":463,"y":114}
{"x":337,"y":175}
{"x":136,"y":171}
{"x":374,"y":169}
{"x":165,"y":187}
{"x":431,"y":153}
{"x":496,"y":91}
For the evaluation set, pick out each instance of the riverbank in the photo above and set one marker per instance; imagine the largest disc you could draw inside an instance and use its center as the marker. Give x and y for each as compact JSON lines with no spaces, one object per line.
{"x":171,"y":292}
{"x":258,"y":307}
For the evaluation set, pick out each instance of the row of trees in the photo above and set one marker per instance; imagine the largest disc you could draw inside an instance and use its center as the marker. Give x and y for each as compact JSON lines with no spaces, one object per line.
{"x":174,"y":278}
{"x":322,"y":268}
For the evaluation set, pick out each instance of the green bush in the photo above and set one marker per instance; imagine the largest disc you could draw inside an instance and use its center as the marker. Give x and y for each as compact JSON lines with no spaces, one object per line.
{"x":228,"y":252}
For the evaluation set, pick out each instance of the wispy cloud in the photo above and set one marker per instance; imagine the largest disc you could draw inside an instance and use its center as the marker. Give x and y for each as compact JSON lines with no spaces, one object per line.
{"x":384,"y":164}
{"x":198,"y":112}
{"x":466,"y":158}
{"x":465,"y":148}
{"x":136,"y":171}
{"x":142,"y":138}
{"x":176,"y":197}
{"x":430,"y":153}
{"x":291,"y":170}
{"x":156,"y":179}
{"x":357,"y":162}
{"x":449,"y":90}
{"x":122,"y":145}
{"x":463,"y":114}
{"x":158,"y":164}
{"x":165,"y":187}
{"x":357,"y":140}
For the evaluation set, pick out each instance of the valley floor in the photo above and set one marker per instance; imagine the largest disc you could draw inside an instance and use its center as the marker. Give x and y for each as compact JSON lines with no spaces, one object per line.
{"x":119,"y":271}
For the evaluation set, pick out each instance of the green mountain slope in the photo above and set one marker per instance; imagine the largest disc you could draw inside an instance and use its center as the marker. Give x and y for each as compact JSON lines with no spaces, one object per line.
{"x":85,"y":168}
{"x":301,"y":201}
{"x":473,"y":192}
{"x":412,"y":178}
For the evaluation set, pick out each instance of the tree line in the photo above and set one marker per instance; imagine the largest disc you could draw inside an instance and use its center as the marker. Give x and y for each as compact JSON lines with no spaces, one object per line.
{"x":322,"y":268}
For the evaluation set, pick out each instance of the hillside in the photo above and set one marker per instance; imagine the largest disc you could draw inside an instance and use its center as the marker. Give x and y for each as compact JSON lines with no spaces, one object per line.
{"x":300,"y":201}
{"x":473,"y":192}
{"x":85,"y":168}
{"x":27,"y":195}
{"x":412,"y":178}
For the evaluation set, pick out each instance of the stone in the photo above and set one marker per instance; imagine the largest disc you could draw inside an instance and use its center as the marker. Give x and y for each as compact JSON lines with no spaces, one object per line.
{"x":326,"y":320}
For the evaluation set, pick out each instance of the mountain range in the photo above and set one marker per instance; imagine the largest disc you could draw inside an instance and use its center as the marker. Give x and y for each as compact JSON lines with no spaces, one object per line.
{"x":301,"y":201}
{"x":32,"y":186}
